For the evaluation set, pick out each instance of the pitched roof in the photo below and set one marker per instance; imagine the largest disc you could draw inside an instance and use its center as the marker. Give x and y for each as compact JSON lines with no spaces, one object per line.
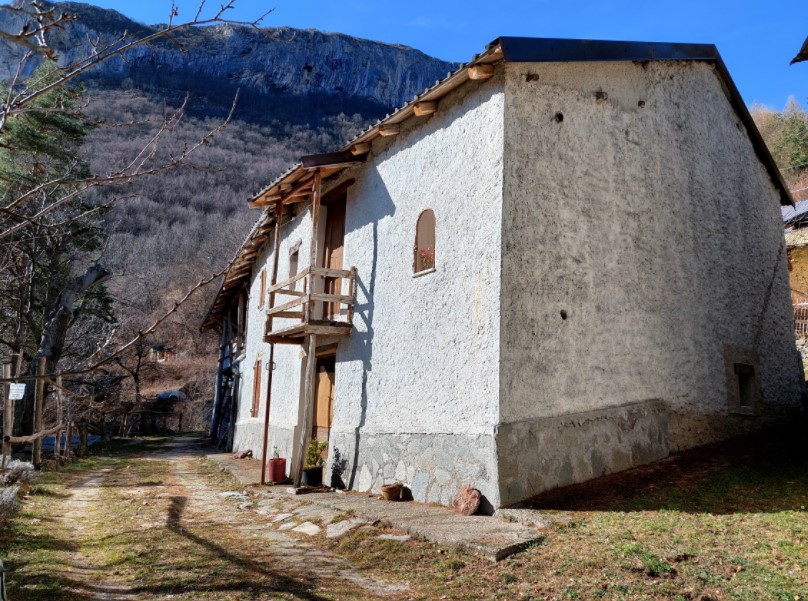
{"x":295,"y":184}
{"x":797,"y":214}
{"x":797,"y":238}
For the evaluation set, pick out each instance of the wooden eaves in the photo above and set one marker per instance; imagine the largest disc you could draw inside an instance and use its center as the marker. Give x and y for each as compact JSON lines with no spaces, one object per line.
{"x":291,"y":186}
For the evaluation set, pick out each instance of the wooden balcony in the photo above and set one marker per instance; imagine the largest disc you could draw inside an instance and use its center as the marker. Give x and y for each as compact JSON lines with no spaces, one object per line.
{"x":319,"y":308}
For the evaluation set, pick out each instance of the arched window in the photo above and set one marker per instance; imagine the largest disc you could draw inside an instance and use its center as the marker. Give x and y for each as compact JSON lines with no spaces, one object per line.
{"x":425,"y":242}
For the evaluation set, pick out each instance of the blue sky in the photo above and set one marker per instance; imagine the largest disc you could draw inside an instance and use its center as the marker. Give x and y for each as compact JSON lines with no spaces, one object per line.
{"x":757,"y":39}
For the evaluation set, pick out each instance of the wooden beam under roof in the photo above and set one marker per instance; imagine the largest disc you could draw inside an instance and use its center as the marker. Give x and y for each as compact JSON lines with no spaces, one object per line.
{"x":389,"y":129}
{"x":361,"y":148}
{"x":343,"y":158}
{"x":480,"y":71}
{"x":423,"y":109}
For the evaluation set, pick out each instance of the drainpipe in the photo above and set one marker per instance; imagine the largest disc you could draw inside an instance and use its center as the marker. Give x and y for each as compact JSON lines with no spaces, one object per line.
{"x":278,"y":219}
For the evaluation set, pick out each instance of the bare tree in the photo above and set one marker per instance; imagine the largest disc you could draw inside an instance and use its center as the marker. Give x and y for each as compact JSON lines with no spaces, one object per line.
{"x":42,"y":204}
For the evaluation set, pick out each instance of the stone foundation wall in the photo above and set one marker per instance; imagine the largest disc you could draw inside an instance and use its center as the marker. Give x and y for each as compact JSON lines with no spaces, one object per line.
{"x":542,"y":454}
{"x":431,"y":466}
{"x":249,"y":434}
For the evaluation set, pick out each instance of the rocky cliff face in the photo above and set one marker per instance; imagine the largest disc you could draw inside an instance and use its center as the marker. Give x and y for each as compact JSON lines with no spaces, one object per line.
{"x":279,"y":70}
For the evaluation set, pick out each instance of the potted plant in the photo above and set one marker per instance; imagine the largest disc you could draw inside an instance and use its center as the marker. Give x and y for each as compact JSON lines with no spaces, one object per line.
{"x":277,"y":467}
{"x":313,"y":463}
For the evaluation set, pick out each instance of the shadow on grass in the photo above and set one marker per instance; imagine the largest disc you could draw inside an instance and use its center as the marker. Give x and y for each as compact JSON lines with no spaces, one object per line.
{"x":765,"y":472}
{"x":37,"y":585}
{"x":278,"y":582}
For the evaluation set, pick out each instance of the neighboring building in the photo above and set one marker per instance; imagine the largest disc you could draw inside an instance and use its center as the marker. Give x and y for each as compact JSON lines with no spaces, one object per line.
{"x":796,"y":219}
{"x":564,"y":260}
{"x":161,"y":353}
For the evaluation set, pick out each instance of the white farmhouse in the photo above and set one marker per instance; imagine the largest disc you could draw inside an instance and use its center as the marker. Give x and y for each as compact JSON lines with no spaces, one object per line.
{"x":564,"y":260}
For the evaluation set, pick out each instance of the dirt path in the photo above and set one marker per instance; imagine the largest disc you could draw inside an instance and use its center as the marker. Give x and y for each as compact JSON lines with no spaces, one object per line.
{"x":79,"y":568}
{"x":157,"y":528}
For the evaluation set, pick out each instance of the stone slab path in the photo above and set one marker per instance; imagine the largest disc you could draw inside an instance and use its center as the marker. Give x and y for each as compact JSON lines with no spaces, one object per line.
{"x":489,"y":536}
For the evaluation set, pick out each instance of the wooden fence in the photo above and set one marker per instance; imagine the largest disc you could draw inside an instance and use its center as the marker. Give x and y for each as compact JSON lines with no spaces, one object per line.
{"x":801,"y":321}
{"x":40,"y":380}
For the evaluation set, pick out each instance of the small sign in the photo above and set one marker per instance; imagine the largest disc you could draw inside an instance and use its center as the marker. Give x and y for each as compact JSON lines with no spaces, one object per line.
{"x":16,"y":392}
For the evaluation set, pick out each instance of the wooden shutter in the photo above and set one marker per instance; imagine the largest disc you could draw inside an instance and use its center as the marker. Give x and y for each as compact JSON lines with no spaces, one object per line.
{"x":256,"y":398}
{"x":263,"y":295}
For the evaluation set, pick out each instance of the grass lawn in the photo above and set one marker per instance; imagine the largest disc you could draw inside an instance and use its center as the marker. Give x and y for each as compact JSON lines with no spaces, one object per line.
{"x":726,"y":522}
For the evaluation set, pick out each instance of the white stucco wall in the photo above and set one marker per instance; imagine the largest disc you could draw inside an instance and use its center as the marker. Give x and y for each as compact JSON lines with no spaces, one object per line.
{"x":422,"y":359}
{"x":649,"y":220}
{"x":288,"y":358}
{"x":427,"y":344}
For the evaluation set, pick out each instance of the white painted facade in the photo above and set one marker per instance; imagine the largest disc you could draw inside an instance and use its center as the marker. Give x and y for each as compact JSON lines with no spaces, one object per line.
{"x":645,"y":217}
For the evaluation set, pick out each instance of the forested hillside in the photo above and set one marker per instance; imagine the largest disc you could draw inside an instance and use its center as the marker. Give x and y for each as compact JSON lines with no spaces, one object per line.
{"x":298,"y":92}
{"x":786,"y":135}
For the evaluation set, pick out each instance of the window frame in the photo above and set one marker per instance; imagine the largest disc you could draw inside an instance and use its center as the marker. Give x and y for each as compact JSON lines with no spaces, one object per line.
{"x":419,"y":269}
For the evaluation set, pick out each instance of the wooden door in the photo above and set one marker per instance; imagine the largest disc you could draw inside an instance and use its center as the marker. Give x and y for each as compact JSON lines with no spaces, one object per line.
{"x":324,"y":398}
{"x":333,"y":250}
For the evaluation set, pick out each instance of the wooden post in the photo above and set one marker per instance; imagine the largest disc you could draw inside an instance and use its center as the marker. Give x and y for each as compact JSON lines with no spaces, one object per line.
{"x":83,"y":438}
{"x":8,"y":413}
{"x":311,"y":360}
{"x":315,"y":226}
{"x":57,"y":441}
{"x":352,"y":294}
{"x":308,"y":409}
{"x":39,"y":402}
{"x":69,"y":440}
{"x":277,"y":250}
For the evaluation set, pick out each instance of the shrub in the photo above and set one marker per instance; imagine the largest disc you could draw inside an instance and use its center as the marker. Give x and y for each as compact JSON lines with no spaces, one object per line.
{"x":18,"y":472}
{"x":9,"y":502}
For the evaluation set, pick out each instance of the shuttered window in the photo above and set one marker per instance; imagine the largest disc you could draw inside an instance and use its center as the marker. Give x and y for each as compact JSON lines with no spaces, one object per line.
{"x":256,"y":398}
{"x":262,"y":297}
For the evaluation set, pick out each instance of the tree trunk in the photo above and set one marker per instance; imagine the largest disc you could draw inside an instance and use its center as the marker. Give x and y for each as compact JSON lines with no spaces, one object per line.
{"x":53,"y":340}
{"x":83,"y":432}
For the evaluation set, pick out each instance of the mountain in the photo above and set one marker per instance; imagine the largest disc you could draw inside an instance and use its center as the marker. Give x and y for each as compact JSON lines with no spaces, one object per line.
{"x":300,"y":92}
{"x":284,"y":74}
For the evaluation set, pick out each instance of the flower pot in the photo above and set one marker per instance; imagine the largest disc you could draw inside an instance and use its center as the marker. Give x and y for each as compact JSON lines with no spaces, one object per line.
{"x":277,"y":470}
{"x":392,"y":492}
{"x":312,"y":476}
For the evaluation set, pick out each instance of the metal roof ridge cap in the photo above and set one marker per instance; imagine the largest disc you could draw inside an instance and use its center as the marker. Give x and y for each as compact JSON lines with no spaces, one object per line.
{"x":529,"y":49}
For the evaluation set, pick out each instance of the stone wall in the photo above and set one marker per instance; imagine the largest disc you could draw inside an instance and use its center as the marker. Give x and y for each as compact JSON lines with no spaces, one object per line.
{"x":643,"y":249}
{"x":545,"y":453}
{"x":432,"y":466}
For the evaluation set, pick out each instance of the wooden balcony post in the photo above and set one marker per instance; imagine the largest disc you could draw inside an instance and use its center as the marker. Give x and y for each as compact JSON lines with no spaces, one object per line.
{"x":308,"y":410}
{"x":352,"y":294}
{"x":315,"y":227}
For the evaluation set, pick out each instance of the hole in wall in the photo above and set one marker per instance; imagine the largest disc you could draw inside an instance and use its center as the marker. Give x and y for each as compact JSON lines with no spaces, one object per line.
{"x":641,"y":104}
{"x":564,"y":314}
{"x":559,"y":117}
{"x":601,"y":96}
{"x":532,"y":77}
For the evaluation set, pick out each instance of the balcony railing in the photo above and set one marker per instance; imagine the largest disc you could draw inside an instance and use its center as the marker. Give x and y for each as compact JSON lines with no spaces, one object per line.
{"x":320,"y":308}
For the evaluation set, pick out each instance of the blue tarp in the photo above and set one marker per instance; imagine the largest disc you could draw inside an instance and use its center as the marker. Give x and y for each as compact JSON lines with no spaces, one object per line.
{"x":48,"y":442}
